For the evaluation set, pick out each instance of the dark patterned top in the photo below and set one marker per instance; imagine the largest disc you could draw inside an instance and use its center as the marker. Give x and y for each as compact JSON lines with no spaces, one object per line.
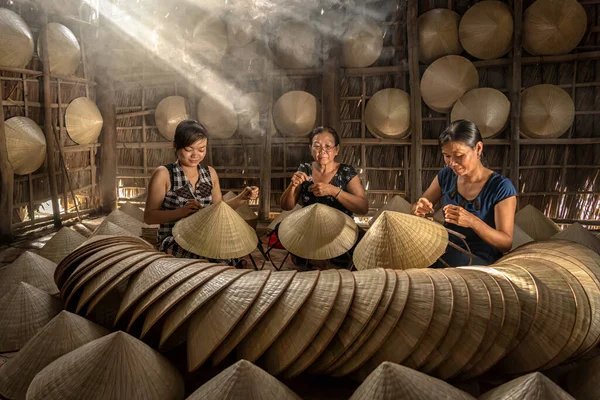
{"x":344,"y":174}
{"x":178,"y":195}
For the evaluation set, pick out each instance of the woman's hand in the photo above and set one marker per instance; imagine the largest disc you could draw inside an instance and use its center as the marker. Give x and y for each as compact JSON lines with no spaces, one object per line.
{"x":323,"y":189}
{"x":423,"y":207}
{"x":191,"y":207}
{"x":298,"y":178}
{"x":459,"y":216}
{"x":249,"y":193}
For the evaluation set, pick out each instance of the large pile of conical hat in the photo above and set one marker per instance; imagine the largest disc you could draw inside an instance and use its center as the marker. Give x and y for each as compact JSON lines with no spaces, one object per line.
{"x":16,"y":40}
{"x":32,"y":269}
{"x":578,"y":234}
{"x":61,"y":244}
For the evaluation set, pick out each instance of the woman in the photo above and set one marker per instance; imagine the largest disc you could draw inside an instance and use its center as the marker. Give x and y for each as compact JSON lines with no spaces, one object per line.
{"x":326,"y":181}
{"x":477,"y":202}
{"x":183,"y":187}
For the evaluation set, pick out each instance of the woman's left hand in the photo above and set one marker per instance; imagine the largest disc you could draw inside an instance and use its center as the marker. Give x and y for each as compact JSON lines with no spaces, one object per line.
{"x":323,"y":189}
{"x":249,"y":193}
{"x":459,"y":216}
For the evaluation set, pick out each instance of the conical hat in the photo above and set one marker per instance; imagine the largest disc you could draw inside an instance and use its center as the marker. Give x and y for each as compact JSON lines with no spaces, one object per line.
{"x":62,"y":243}
{"x":534,"y":223}
{"x":64,"y":333}
{"x":295,"y":45}
{"x":107,"y":228}
{"x":547,"y":111}
{"x":250,"y":108}
{"x":318,"y":232}
{"x":446,"y":80}
{"x":229,"y":195}
{"x":534,"y":386}
{"x":295,"y":113}
{"x":392,"y":381}
{"x":400,"y":241}
{"x":222,"y":313}
{"x":132,"y":211}
{"x":370,"y":287}
{"x":553,"y":27}
{"x":282,"y":215}
{"x":26,"y":145}
{"x":438,"y":34}
{"x":520,"y":237}
{"x":209,"y":39}
{"x":126,"y":222}
{"x":218,"y":116}
{"x":16,"y":40}
{"x":83,"y":121}
{"x":246,"y":212}
{"x":241,"y":28}
{"x":243,"y":380}
{"x":582,"y":382}
{"x":24,"y":310}
{"x":169,"y":113}
{"x":486,"y":30}
{"x":396,"y":203}
{"x":277,"y":318}
{"x":64,"y":51}
{"x":362,"y":43}
{"x":276,"y":285}
{"x":387,"y":114}
{"x":216,"y":231}
{"x":487,"y":108}
{"x":116,"y":366}
{"x":578,"y":234}
{"x":32,"y":269}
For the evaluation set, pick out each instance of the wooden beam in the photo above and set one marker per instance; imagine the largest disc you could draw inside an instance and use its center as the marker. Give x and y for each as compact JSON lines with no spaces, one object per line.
{"x":331,"y":86}
{"x":108,"y":140}
{"x":416,"y":123}
{"x":6,"y":183}
{"x":515,"y":93}
{"x":135,"y":114}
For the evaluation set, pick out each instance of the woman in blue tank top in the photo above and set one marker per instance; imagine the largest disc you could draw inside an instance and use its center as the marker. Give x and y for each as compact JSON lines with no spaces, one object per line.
{"x":477,"y":202}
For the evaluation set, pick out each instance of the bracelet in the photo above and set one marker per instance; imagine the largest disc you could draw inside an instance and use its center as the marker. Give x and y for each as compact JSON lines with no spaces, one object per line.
{"x":338,"y":193}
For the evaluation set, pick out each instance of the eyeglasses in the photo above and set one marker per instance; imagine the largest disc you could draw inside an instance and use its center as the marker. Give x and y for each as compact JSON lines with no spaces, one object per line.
{"x":318,"y":149}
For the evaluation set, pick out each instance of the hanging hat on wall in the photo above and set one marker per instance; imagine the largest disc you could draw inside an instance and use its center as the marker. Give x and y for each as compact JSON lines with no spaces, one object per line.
{"x":83,"y":121}
{"x":486,"y":107}
{"x":62,"y":243}
{"x":169,"y":113}
{"x":296,"y":113}
{"x":446,"y":80}
{"x":251,"y":108}
{"x":16,"y":40}
{"x":547,"y":111}
{"x":438,"y":34}
{"x":209,"y":39}
{"x":32,"y":269}
{"x":486,"y":30}
{"x":362,"y":44}
{"x":553,"y":27}
{"x":64,"y":51}
{"x":26,"y":145}
{"x":218,"y":116}
{"x":241,"y":28}
{"x":387,"y":114}
{"x":295,"y":45}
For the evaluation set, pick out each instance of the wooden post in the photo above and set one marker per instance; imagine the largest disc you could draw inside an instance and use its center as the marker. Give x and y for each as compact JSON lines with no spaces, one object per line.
{"x":415,"y":100}
{"x":515,"y":94}
{"x":264,"y":206}
{"x":331,"y":87}
{"x":6,"y":182}
{"x":48,"y":128}
{"x":108,"y":143}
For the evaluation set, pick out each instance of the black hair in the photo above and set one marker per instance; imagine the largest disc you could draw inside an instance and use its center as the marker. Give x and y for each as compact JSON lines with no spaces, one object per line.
{"x":322,"y":129}
{"x":187,"y":133}
{"x":463,"y":131}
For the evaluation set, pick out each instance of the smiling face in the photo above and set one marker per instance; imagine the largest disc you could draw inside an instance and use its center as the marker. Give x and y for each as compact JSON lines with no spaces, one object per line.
{"x":323,"y":148}
{"x":192,"y":155}
{"x":461,"y":158}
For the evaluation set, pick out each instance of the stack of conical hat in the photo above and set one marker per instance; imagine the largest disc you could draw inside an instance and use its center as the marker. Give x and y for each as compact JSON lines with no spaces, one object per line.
{"x":486,"y":107}
{"x":216,"y":231}
{"x":547,"y":111}
{"x":578,"y":234}
{"x":438,"y":34}
{"x":62,"y":243}
{"x":132,"y":211}
{"x":362,"y":43}
{"x":16,"y":40}
{"x":387,"y":114}
{"x":169,"y":113}
{"x":396,"y":203}
{"x":284,"y":214}
{"x":217,"y":114}
{"x":32,"y":269}
{"x":26,"y":145}
{"x":534,"y":223}
{"x":486,"y":30}
{"x":64,"y":51}
{"x":296,"y":113}
{"x":534,"y":386}
{"x":83,"y":121}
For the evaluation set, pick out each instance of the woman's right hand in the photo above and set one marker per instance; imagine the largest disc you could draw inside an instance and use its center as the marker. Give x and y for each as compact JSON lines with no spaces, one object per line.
{"x":298,"y":178}
{"x":190,"y":207}
{"x":423,"y":207}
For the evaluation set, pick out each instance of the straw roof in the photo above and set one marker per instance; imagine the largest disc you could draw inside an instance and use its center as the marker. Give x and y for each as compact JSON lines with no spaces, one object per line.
{"x":116,"y":366}
{"x":230,"y":236}
{"x":446,"y":80}
{"x":547,"y":111}
{"x":16,"y":40}
{"x":63,"y":334}
{"x":362,"y":43}
{"x":552,"y":27}
{"x":295,"y":45}
{"x":295,"y":113}
{"x":486,"y":30}
{"x":396,"y":203}
{"x":26,"y":145}
{"x":62,"y":243}
{"x":243,"y":380}
{"x":392,"y":381}
{"x":387,"y":114}
{"x":209,"y":39}
{"x":133,"y":211}
{"x":32,"y":269}
{"x":83,"y":121}
{"x":534,"y":386}
{"x":251,"y":109}
{"x":64,"y":51}
{"x":217,"y":114}
{"x":578,"y":234}
{"x":169,"y":113}
{"x":400,"y":241}
{"x":438,"y":34}
{"x":487,"y":108}
{"x":318,"y":232}
{"x":24,"y":310}
{"x":534,"y":223}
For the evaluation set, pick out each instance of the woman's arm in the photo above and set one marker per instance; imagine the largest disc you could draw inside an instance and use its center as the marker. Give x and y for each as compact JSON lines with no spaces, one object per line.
{"x":425,"y":204}
{"x":289,"y":198}
{"x":157,"y":190}
{"x":354,"y":198}
{"x":249,"y":193}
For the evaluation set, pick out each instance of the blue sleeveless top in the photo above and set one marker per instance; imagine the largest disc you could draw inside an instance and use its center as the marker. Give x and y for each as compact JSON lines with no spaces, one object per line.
{"x":496,"y":189}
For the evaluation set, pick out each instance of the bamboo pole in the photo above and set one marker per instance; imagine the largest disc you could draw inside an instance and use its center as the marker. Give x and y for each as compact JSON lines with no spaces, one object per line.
{"x":6,"y":183}
{"x":108,"y":148}
{"x":515,"y":93}
{"x":264,"y":207}
{"x":415,"y":100}
{"x":331,"y":87}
